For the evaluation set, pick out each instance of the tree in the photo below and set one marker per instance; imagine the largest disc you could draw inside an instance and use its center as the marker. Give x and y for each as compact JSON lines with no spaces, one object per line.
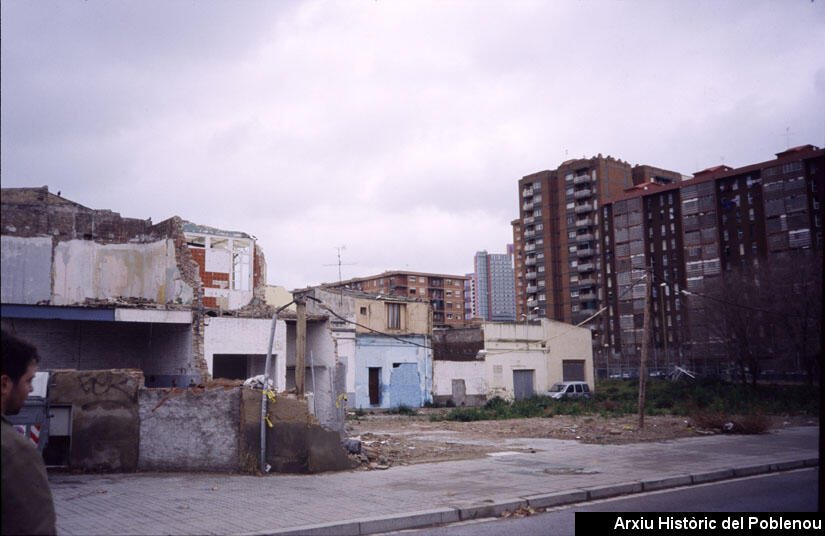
{"x":768,"y":313}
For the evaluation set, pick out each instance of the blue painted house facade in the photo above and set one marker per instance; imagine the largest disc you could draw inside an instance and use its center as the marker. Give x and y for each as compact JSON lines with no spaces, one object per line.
{"x":392,"y":372}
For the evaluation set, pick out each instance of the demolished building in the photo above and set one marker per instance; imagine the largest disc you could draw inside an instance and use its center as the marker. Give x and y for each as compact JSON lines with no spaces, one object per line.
{"x":111,"y":301}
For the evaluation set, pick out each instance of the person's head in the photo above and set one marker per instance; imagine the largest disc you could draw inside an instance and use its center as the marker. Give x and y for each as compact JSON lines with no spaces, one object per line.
{"x":17,"y":368}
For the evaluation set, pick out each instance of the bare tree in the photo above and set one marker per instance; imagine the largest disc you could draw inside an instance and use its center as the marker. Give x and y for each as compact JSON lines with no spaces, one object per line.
{"x":767,"y":315}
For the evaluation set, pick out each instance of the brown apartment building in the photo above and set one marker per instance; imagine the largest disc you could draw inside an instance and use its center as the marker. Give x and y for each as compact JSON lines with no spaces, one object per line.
{"x":557,"y":239}
{"x":445,"y":292}
{"x":691,"y":233}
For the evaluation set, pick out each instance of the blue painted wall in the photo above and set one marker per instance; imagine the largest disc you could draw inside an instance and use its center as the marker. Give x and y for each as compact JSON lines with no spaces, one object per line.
{"x":406,"y":370}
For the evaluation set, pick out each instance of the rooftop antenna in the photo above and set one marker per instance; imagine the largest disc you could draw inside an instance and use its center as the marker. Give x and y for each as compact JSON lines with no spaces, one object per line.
{"x":339,"y":264}
{"x":787,"y":138}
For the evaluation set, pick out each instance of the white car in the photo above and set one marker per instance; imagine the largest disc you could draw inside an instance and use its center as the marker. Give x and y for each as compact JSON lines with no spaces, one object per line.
{"x":569,"y":390}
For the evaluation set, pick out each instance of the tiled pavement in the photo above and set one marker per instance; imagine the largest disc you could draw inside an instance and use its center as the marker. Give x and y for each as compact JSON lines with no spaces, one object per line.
{"x":361,"y":502}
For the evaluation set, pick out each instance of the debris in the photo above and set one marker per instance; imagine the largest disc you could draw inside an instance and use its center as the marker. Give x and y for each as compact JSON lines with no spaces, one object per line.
{"x":353,"y":446}
{"x":728,"y":426}
{"x":522,"y":511}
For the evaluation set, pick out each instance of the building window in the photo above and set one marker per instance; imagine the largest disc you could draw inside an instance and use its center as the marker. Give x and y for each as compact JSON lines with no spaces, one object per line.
{"x":412,"y":279}
{"x":363,"y":310}
{"x":394,"y":313}
{"x":241,"y":265}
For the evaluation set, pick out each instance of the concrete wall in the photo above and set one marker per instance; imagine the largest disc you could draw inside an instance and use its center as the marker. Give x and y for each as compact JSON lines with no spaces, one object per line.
{"x":105,"y":421}
{"x":189,"y":429}
{"x":538,"y":346}
{"x":277,"y":296}
{"x":415,"y":318}
{"x":472,"y":372}
{"x":298,"y":444}
{"x":384,"y":352}
{"x":157,"y":349}
{"x":565,"y":342}
{"x":26,"y":269}
{"x":246,"y":336}
{"x":88,"y":270}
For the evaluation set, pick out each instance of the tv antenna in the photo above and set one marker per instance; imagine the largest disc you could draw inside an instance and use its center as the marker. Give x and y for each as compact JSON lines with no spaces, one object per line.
{"x":787,"y":138}
{"x":339,"y":264}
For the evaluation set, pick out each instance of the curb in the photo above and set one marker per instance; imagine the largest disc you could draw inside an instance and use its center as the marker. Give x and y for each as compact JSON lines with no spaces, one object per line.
{"x":430,"y":518}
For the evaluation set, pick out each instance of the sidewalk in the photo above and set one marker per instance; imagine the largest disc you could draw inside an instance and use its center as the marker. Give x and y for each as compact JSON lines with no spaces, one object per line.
{"x":364,"y":502}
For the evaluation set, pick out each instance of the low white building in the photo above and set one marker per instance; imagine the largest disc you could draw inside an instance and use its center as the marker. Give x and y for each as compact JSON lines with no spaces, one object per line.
{"x":508,"y":359}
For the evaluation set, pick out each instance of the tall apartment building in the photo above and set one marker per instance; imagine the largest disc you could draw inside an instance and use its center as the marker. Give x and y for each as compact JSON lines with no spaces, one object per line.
{"x":494,"y":290}
{"x":690,"y":233}
{"x":557,"y":238}
{"x":445,"y":292}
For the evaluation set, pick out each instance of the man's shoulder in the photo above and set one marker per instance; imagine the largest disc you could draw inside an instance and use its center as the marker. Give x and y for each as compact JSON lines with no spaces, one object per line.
{"x":13,"y":441}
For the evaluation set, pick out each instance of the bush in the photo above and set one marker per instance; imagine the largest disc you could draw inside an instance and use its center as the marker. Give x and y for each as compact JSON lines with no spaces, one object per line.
{"x":402,"y":410}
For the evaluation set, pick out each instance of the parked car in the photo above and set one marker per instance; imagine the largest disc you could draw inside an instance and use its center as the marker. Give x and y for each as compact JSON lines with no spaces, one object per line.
{"x":569,"y":390}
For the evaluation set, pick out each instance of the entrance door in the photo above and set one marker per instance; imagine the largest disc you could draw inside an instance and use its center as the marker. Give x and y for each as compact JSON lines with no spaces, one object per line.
{"x":459,"y":392}
{"x":375,"y":386}
{"x":523,"y":383}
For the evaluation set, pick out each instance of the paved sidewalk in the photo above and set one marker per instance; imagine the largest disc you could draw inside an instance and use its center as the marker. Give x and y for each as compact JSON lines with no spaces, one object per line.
{"x":364,"y":502}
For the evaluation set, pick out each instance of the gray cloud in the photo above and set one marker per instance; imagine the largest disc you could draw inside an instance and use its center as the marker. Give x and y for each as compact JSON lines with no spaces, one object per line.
{"x":396,"y":128}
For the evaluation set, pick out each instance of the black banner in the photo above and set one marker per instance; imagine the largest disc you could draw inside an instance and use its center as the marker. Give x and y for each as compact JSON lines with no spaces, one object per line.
{"x":733,"y":524}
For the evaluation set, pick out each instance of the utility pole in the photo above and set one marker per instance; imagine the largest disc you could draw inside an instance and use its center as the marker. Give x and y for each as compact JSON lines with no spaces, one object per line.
{"x":646,"y":337}
{"x":301,"y":347}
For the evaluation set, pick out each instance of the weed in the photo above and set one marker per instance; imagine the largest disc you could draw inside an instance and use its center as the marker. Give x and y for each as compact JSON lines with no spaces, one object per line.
{"x":402,"y":409}
{"x":359,"y":412}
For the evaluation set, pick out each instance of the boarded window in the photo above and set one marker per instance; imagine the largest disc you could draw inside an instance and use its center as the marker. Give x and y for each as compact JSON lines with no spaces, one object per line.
{"x":394,"y":313}
{"x":572,"y":370}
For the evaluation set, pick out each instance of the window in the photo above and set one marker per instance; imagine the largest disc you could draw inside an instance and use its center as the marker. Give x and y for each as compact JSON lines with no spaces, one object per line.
{"x":412,"y":279}
{"x":241,"y":265}
{"x":363,"y":310}
{"x":394,"y":313}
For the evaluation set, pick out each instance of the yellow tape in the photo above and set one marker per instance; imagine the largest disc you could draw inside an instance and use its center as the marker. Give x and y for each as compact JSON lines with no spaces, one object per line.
{"x":268,"y":421}
{"x":342,"y":396}
{"x":270,"y":395}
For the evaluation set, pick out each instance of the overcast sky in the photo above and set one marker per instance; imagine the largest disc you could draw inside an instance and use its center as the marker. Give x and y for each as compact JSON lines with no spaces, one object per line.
{"x":398,"y":129}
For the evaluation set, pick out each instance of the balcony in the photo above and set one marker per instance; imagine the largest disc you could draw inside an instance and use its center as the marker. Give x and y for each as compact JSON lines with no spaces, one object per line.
{"x":532,"y":303}
{"x":529,"y":219}
{"x":584,"y":222}
{"x":531,"y":289}
{"x":530,"y":261}
{"x":587,"y":296}
{"x":530,"y":275}
{"x":583,"y":253}
{"x":582,"y":194}
{"x":528,"y":192}
{"x":581,"y":209}
{"x":581,"y":179}
{"x":530,"y":247}
{"x":586,"y":267}
{"x":529,"y":234}
{"x":587,"y":282}
{"x":527,"y":206}
{"x":587,"y":311}
{"x":586,"y":237}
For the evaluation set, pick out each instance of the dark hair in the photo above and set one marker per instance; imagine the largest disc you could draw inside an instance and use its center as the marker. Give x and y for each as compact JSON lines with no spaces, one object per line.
{"x":17,"y":356}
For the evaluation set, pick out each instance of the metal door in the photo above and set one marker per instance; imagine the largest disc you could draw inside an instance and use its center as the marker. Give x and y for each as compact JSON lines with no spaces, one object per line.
{"x":523,"y":383}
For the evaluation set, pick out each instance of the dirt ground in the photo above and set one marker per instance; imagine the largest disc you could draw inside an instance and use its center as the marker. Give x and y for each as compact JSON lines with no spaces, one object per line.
{"x":389,"y":440}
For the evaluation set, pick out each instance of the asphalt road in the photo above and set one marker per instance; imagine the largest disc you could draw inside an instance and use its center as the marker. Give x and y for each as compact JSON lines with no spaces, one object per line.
{"x":793,"y":491}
